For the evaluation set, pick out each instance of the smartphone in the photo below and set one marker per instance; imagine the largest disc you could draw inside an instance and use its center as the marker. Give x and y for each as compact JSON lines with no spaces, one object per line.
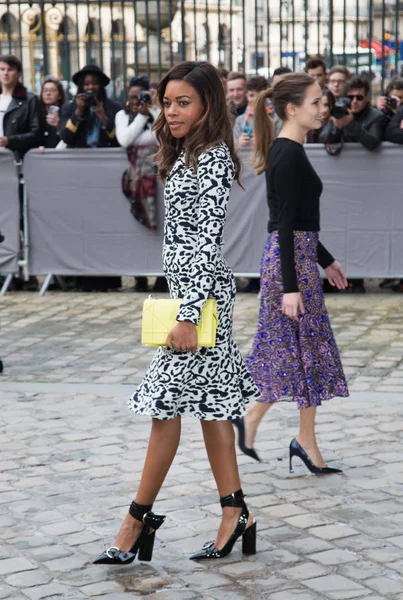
{"x":53,"y":110}
{"x":248,"y":130}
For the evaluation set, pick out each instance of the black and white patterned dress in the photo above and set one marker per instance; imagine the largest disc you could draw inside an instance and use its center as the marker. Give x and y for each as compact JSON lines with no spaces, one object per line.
{"x":213,"y":384}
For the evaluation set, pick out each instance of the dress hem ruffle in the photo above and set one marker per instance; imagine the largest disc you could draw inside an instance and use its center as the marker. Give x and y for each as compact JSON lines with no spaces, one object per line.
{"x":157,"y":414}
{"x":303,"y":402}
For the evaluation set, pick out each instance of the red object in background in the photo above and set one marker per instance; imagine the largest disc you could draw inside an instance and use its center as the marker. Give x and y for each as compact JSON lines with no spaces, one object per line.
{"x":377,"y":46}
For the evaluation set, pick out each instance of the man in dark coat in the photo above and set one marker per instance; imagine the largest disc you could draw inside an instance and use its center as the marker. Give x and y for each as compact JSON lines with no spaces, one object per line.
{"x":361,"y":124}
{"x":19,"y":110}
{"x":394,"y":131}
{"x":89,"y":120}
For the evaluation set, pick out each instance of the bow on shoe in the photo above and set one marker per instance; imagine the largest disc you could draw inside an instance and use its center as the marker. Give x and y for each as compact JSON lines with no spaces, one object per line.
{"x":114,"y":556}
{"x":209,"y":550}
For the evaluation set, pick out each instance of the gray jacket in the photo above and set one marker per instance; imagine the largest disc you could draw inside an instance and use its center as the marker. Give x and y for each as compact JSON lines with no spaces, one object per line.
{"x":240,"y":124}
{"x":366,"y":129}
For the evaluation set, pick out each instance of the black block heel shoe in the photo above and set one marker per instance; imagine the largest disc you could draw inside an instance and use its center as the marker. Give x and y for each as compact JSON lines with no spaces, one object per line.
{"x":240,"y":425}
{"x":210,"y":550}
{"x":144,"y":543}
{"x":297,"y":450}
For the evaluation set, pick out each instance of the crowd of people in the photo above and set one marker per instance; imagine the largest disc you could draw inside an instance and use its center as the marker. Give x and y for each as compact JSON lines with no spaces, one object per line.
{"x":92,"y":120}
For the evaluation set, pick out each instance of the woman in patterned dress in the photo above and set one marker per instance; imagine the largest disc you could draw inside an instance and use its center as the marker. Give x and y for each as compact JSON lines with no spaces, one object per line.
{"x":294,"y":354}
{"x":198,"y":164}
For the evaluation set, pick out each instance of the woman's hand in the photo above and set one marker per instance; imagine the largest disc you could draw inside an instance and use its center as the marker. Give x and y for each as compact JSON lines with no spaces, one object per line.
{"x":144,"y":107}
{"x":293,"y":305}
{"x":245,"y":140}
{"x":53,"y":120}
{"x":183,"y":337}
{"x":381,"y":104}
{"x":336,"y":276}
{"x":99,"y":112}
{"x":81,"y":104}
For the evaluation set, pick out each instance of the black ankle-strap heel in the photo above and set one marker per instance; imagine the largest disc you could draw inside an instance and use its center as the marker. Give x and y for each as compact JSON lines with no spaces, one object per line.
{"x":144,"y":543}
{"x":210,"y":551}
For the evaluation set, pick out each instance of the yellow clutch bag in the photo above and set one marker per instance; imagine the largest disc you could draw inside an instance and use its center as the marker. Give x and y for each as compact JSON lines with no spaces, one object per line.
{"x":159,"y":317}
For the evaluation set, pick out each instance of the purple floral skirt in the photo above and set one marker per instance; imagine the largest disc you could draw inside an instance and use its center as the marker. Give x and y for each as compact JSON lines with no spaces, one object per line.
{"x":295,"y":360}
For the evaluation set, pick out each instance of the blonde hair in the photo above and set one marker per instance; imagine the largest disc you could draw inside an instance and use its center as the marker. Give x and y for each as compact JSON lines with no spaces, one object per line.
{"x":290,"y":89}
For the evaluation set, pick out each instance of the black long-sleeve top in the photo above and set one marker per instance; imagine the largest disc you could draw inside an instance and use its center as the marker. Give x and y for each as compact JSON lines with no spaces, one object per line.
{"x":50,"y":134}
{"x":293,"y":193}
{"x":394,"y":133}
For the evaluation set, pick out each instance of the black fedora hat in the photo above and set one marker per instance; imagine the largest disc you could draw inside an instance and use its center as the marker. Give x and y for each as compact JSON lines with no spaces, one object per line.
{"x":91,"y":70}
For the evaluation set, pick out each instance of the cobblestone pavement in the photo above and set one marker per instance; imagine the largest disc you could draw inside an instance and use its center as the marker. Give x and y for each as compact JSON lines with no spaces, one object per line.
{"x":71,"y":455}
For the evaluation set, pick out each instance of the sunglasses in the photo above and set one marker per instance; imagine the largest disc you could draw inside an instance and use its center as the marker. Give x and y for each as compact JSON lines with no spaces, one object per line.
{"x":358,"y":97}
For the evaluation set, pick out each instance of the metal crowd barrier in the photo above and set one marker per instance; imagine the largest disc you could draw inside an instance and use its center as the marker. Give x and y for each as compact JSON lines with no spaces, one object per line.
{"x":80,"y":222}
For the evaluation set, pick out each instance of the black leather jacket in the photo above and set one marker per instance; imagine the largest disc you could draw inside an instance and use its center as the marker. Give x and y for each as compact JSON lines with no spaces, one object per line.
{"x":394,"y":133}
{"x":366,"y":129}
{"x":21,"y":122}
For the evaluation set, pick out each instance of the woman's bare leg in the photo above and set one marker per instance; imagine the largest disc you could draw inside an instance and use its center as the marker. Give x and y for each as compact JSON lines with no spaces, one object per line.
{"x":162,"y":447}
{"x":219,"y":438}
{"x":307,"y":435}
{"x":252,"y":420}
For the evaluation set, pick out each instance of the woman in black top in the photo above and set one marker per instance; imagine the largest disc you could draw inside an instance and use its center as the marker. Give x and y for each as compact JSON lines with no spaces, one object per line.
{"x":294,"y":354}
{"x":52,"y":98}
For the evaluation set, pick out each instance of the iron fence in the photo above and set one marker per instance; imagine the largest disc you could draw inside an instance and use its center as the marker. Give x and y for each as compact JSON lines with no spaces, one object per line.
{"x":148,"y":36}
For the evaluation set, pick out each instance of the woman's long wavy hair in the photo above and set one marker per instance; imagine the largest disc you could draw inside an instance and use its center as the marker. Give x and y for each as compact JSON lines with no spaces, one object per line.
{"x":290,"y":89}
{"x":213,"y":127}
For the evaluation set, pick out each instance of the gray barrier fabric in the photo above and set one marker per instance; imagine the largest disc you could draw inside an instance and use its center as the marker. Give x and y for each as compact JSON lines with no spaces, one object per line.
{"x":80,"y":222}
{"x":9,"y":213}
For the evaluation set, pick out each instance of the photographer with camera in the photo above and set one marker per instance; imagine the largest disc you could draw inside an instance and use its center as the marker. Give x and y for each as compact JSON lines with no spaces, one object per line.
{"x":390,"y":103}
{"x":393,"y":109}
{"x":134,"y":123}
{"x":353,"y":118}
{"x":139,"y":182}
{"x":89,"y":120}
{"x":394,"y":131}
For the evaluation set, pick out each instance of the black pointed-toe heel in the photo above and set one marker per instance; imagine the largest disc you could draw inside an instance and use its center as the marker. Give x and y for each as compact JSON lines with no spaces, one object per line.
{"x":210,"y":551}
{"x":240,"y":425}
{"x":297,"y":450}
{"x":144,"y":543}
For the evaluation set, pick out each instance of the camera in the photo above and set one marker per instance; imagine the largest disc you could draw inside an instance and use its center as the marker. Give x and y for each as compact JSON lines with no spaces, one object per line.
{"x":341,"y":107}
{"x":391,"y":103}
{"x":90,"y":98}
{"x":389,"y":109}
{"x":145,"y":97}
